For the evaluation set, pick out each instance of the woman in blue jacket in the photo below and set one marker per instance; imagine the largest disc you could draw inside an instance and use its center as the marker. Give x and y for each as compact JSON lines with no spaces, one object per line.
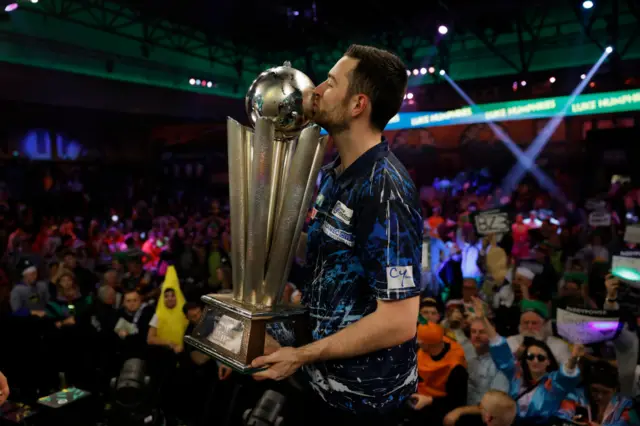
{"x":536,"y":383}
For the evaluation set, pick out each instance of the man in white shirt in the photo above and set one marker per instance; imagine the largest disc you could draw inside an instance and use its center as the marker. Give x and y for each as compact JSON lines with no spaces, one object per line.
{"x":533,"y":323}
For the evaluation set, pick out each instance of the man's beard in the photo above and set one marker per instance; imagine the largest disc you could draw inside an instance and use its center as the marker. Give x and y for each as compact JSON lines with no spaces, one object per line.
{"x":334,"y":121}
{"x":538,"y":335}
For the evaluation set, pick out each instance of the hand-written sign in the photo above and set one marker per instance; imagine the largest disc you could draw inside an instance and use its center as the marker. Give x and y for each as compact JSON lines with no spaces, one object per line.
{"x":228,"y":334}
{"x":586,"y":326}
{"x":495,"y":221}
{"x":599,"y":218}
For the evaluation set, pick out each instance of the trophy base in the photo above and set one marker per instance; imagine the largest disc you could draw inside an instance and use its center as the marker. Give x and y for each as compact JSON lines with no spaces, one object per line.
{"x":233,"y":332}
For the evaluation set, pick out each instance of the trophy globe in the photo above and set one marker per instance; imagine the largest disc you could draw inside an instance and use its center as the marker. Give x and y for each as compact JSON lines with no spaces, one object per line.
{"x":281,"y":94}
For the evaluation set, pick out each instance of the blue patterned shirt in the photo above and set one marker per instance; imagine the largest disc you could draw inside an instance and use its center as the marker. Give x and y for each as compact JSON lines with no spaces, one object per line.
{"x":364,"y":245}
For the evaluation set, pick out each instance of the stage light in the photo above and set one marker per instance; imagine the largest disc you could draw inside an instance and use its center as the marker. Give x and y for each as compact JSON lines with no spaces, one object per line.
{"x":583,"y":76}
{"x":423,"y":71}
{"x":415,"y":71}
{"x":442,"y":72}
{"x":115,"y":218}
{"x":192,"y":81}
{"x":443,"y":30}
{"x":523,"y":83}
{"x":432,"y":70}
{"x":408,"y":73}
{"x":592,"y":84}
{"x":587,"y":4}
{"x":34,"y":1}
{"x":552,"y":80}
{"x":198,"y":82}
{"x":409,"y":95}
{"x":209,"y":84}
{"x":609,"y":49}
{"x":514,"y":86}
{"x":11,"y":7}
{"x":204,"y":83}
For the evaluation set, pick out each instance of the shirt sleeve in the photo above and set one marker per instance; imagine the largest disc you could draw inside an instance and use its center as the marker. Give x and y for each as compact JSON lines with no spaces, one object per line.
{"x":154,"y":321}
{"x":389,"y":241}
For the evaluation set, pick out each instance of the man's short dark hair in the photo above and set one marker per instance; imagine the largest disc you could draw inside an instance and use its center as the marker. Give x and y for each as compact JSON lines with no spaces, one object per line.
{"x":191,"y":305}
{"x":167,"y":290}
{"x":381,"y":76}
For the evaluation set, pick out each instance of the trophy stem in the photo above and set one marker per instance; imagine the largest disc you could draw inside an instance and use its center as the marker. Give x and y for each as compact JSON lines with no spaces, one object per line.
{"x":290,"y":149}
{"x":238,"y":140}
{"x":291,"y":218}
{"x":259,"y":203}
{"x":276,"y":173}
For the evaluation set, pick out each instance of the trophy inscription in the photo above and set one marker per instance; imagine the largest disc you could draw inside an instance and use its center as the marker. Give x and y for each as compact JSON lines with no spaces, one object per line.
{"x":272,"y":174}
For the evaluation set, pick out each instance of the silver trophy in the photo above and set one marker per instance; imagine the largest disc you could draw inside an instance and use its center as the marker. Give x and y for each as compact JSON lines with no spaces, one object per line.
{"x":272,"y":175}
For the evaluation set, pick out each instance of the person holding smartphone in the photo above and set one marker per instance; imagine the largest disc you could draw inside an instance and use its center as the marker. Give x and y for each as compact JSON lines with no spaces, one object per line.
{"x":597,"y":402}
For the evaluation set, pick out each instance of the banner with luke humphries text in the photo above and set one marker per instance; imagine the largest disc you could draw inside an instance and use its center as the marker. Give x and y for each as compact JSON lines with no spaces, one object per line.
{"x":590,"y":104}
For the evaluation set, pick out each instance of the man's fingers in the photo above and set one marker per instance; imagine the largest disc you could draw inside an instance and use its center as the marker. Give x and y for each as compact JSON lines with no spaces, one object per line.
{"x":266,"y":374}
{"x":262,"y":361}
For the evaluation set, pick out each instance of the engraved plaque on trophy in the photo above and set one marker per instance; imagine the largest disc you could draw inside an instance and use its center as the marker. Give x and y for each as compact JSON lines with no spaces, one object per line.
{"x":272,"y":174}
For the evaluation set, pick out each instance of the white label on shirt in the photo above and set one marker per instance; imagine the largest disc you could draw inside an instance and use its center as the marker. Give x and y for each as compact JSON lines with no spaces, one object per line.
{"x":338,"y":234}
{"x":342,"y":212}
{"x":400,"y":277}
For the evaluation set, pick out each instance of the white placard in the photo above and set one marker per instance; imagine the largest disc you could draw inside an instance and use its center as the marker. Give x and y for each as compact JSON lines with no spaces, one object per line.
{"x":586,"y":326}
{"x":228,"y":334}
{"x":492,"y":222}
{"x":599,"y":218}
{"x":626,"y":262}
{"x":632,"y":234}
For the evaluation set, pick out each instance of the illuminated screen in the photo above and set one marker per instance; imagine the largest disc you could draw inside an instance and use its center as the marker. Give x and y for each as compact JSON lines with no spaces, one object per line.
{"x":594,"y":103}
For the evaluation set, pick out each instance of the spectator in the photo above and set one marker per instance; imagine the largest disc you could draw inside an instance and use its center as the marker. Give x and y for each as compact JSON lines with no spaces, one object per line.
{"x":536,"y":383}
{"x":443,"y":373}
{"x":30,"y":296}
{"x":533,"y":324}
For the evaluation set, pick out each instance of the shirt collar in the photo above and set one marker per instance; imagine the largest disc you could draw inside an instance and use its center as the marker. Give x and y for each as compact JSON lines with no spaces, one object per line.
{"x":362,"y":165}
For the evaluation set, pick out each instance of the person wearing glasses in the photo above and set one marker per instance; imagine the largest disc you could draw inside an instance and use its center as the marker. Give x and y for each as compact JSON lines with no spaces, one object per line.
{"x":537,"y":384}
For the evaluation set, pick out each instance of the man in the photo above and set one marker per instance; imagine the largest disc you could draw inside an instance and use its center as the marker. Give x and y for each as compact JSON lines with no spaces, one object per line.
{"x":495,"y":409}
{"x":29,"y":297}
{"x":133,"y":325}
{"x":364,"y":246}
{"x":483,"y":373}
{"x":533,"y":323}
{"x":84,"y":278}
{"x":443,"y":373}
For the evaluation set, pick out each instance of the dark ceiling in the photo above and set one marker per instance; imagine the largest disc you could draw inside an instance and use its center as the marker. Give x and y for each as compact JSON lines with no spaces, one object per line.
{"x":290,"y":24}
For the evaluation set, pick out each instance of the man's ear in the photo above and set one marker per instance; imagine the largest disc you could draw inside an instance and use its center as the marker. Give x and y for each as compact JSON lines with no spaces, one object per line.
{"x":359,"y":105}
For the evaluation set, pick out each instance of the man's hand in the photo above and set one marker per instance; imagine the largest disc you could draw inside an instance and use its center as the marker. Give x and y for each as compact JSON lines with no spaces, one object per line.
{"x":420,"y":401}
{"x":224,"y":372}
{"x":478,"y":308}
{"x":177,"y":348}
{"x":37,"y":313}
{"x":271,"y":345}
{"x":452,"y":418}
{"x":455,"y":319}
{"x":4,"y":388}
{"x":69,"y":321}
{"x":281,"y":364}
{"x":123,"y":333}
{"x":612,"y":283}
